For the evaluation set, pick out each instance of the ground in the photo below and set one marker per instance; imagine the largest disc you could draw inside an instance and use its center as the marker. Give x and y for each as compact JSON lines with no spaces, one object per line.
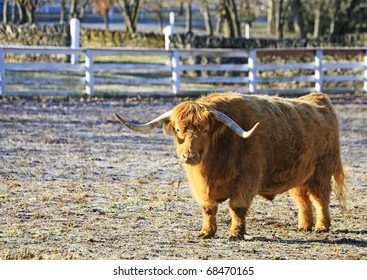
{"x":76,"y":184}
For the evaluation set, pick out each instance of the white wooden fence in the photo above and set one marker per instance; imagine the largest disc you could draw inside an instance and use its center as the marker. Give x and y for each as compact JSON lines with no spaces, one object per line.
{"x":244,"y":71}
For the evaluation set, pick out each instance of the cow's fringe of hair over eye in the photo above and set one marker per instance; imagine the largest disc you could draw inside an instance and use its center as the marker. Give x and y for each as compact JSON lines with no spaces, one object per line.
{"x":190,"y":114}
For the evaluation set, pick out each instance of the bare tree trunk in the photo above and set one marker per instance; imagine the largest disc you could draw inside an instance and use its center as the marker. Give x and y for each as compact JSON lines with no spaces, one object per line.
{"x":297,"y":18}
{"x":107,"y":20}
{"x":334,"y":14}
{"x":131,"y":14}
{"x":82,"y":9}
{"x":13,"y":13}
{"x":73,"y":9}
{"x":188,"y":17}
{"x":207,"y":18}
{"x":317,"y":24}
{"x":279,"y":20}
{"x":5,"y":12}
{"x":62,"y":11}
{"x":228,"y":17}
{"x":218,"y":26}
{"x":30,"y":14}
{"x":159,"y":15}
{"x":227,"y":21}
{"x":136,"y":13}
{"x":235,"y":22}
{"x":160,"y":21}
{"x":21,"y":11}
{"x":271,"y":17}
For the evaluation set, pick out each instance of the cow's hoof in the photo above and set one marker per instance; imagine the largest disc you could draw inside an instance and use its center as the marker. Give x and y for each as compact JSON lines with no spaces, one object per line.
{"x":238,"y":237}
{"x":205,"y":234}
{"x":321,"y":229}
{"x":305,"y":228}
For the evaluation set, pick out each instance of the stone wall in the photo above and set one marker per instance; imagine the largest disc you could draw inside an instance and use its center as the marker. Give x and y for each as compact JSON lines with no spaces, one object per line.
{"x":105,"y":38}
{"x":34,"y":35}
{"x":59,"y":35}
{"x":183,"y":41}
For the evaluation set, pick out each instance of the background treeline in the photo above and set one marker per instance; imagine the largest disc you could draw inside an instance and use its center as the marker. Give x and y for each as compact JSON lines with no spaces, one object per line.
{"x":281,"y":18}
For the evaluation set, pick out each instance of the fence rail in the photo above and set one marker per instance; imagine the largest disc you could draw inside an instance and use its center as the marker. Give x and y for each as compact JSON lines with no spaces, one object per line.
{"x":178,"y":71}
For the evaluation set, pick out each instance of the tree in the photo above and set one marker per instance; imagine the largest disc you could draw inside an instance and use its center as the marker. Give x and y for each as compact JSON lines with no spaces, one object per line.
{"x":280,"y":19}
{"x":18,"y":6}
{"x":188,"y":16}
{"x":5,"y":12}
{"x":317,"y":23}
{"x":297,"y":18}
{"x":207,"y":18}
{"x":62,"y":11}
{"x":30,"y":7}
{"x":25,"y":10}
{"x":103,"y":7}
{"x":227,"y":17}
{"x":131,"y":11}
{"x":232,"y":17}
{"x":271,"y":17}
{"x":77,"y":9}
{"x":342,"y":19}
{"x":157,"y":7}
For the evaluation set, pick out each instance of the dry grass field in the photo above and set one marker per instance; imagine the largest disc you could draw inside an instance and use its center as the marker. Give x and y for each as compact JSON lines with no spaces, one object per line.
{"x":75,"y":184}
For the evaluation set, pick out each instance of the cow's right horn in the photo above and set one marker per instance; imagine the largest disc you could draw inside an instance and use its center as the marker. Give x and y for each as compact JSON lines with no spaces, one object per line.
{"x":146,"y":126}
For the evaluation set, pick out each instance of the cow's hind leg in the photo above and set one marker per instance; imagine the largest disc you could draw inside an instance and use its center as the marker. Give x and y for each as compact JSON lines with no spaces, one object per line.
{"x":301,"y":197}
{"x":209,"y":227}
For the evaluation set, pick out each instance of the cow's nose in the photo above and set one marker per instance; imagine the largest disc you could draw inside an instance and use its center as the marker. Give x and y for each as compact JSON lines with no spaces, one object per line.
{"x":187,"y":157}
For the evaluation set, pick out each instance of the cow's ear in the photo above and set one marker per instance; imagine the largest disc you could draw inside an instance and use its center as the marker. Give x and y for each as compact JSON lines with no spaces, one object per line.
{"x":168,"y":127}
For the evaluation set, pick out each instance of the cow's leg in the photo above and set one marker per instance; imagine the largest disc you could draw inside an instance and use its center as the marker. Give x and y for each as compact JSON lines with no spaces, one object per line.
{"x":320,"y":196}
{"x":301,"y":197}
{"x":239,"y":203}
{"x":238,"y":224}
{"x":209,"y":221}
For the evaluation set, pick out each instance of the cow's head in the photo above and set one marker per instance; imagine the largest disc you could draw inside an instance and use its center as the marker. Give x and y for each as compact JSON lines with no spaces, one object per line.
{"x":194,"y":126}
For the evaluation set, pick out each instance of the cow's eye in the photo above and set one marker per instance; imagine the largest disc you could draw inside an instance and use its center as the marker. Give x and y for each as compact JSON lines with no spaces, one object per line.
{"x":177,"y":130}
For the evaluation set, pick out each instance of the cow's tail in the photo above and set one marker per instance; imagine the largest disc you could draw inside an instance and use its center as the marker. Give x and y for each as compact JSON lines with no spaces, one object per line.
{"x":339,"y":185}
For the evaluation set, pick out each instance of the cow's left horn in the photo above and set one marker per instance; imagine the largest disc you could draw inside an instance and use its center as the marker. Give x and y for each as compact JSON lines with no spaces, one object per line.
{"x":146,"y":126}
{"x":223,"y":118}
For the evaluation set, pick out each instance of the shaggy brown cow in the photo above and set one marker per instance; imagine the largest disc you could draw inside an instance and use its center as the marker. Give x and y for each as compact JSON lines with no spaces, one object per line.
{"x":291,"y":145}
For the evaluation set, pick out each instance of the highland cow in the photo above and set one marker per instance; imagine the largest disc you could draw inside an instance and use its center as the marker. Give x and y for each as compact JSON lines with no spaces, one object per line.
{"x":234,"y":147}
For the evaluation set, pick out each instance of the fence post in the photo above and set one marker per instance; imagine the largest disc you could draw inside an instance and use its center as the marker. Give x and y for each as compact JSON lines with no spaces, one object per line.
{"x":89,"y":74}
{"x":365,"y":72}
{"x":75,"y":36}
{"x":252,"y":71}
{"x":318,"y":71}
{"x":169,"y":30}
{"x":247,"y":29}
{"x":175,"y":64}
{"x":2,"y":71}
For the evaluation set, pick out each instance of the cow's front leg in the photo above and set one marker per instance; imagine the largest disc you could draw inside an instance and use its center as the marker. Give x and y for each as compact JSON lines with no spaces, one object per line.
{"x":209,"y":221}
{"x":238,"y":224}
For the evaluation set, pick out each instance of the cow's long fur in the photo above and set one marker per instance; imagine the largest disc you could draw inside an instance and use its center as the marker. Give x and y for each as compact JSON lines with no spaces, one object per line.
{"x":295,"y":148}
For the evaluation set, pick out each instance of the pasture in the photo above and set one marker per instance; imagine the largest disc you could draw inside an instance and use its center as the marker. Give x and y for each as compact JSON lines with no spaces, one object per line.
{"x":76,"y":184}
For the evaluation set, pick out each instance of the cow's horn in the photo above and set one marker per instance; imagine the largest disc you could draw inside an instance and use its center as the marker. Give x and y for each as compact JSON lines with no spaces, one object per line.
{"x":223,"y":118}
{"x":146,"y":126}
